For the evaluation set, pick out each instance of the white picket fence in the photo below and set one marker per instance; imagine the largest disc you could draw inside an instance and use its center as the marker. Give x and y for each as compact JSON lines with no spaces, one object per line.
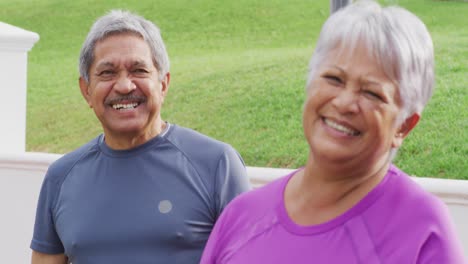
{"x":21,"y":175}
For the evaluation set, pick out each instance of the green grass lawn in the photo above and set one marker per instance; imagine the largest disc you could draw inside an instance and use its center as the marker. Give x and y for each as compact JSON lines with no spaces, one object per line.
{"x":238,"y":73}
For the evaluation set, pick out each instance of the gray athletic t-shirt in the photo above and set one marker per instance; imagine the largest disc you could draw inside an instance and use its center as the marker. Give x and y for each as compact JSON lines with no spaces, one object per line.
{"x":156,"y":203}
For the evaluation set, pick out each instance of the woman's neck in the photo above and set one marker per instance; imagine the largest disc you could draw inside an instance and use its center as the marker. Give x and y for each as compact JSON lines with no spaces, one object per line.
{"x":317,"y":194}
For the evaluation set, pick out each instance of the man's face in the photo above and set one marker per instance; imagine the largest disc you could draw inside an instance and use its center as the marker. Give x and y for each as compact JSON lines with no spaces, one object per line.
{"x":125,"y":90}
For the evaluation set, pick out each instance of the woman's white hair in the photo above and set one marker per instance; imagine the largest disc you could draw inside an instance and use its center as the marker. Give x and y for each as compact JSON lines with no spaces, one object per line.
{"x":397,"y":39}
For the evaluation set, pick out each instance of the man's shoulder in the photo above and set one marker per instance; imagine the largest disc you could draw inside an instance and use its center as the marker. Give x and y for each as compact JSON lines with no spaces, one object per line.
{"x":68,"y":160}
{"x":193,"y":142}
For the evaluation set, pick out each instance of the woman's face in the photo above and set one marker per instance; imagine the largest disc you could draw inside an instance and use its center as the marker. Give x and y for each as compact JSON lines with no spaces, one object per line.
{"x":351,"y":110}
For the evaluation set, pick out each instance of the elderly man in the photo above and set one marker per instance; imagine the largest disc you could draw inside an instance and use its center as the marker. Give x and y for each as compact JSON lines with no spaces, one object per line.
{"x":146,"y":190}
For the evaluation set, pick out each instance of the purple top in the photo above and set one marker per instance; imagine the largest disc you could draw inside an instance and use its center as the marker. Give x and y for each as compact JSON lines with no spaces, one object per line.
{"x":397,"y":222}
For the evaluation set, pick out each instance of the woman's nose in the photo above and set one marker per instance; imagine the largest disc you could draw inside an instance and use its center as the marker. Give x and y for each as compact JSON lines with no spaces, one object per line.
{"x":346,"y":101}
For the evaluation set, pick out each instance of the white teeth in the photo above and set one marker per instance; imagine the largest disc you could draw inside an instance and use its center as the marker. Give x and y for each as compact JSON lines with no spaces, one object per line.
{"x":341,"y":128}
{"x":124,"y":106}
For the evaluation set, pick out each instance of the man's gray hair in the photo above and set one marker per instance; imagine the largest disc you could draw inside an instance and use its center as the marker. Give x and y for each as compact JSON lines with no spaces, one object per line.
{"x":119,"y":22}
{"x":396,"y":38}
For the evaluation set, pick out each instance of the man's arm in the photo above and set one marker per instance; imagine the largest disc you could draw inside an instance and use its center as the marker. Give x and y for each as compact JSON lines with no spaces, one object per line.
{"x":231,"y":178}
{"x":41,"y":258}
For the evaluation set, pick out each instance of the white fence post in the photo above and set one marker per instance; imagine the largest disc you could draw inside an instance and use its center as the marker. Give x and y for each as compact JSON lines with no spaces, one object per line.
{"x":14,"y":46}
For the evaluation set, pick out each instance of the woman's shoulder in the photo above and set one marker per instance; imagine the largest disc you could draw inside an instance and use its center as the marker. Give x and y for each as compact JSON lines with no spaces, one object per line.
{"x":408,"y":205}
{"x":248,"y":215}
{"x":407,"y":212}
{"x":412,"y":194}
{"x":255,"y":206}
{"x":259,"y":199}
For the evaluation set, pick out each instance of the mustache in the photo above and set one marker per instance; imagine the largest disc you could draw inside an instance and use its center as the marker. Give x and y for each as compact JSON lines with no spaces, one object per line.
{"x":125,"y":98}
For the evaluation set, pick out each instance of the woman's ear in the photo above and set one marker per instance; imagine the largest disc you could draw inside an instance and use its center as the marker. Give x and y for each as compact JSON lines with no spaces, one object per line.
{"x":404,"y":130}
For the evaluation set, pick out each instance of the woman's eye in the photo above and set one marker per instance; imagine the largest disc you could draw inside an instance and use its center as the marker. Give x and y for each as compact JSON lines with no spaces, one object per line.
{"x":373,"y":95}
{"x":332,"y":78}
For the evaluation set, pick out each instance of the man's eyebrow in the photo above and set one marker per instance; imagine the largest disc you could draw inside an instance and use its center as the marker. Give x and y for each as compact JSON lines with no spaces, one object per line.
{"x":104,"y":64}
{"x":139,"y":63}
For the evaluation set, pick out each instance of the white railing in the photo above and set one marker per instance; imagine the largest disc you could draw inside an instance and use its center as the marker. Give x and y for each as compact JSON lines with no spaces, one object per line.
{"x":21,"y":176}
{"x":14,"y":46}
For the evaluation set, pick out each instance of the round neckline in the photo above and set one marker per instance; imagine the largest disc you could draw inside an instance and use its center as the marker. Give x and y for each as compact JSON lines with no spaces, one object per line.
{"x":136,"y":150}
{"x":362,"y":205}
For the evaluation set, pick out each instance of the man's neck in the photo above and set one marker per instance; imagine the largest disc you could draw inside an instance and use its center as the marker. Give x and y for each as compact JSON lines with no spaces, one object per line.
{"x":125,"y":141}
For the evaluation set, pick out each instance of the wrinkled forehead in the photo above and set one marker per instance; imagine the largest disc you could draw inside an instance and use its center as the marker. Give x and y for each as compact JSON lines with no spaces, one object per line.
{"x":124,"y":33}
{"x":350,"y":44}
{"x":380,"y":59}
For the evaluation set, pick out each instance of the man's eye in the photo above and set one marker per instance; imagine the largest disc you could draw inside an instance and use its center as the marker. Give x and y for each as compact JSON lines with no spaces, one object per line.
{"x":140,"y":71}
{"x":106,"y":73}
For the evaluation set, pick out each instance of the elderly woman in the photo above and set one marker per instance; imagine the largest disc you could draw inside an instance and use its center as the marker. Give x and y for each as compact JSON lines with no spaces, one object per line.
{"x":370,"y":77}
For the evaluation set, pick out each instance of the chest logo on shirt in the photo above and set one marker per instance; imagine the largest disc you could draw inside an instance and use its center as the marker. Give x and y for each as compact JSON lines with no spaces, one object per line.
{"x":165,"y":206}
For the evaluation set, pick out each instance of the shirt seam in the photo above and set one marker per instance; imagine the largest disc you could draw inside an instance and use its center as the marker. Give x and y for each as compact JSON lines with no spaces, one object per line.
{"x":250,"y":239}
{"x":60,"y":183}
{"x":194,"y":167}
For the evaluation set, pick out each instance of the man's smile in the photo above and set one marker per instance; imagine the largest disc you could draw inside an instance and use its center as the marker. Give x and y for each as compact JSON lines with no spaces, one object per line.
{"x":125,"y":106}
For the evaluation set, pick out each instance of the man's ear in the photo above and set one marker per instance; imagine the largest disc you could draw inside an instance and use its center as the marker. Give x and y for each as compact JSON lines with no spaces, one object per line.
{"x":84,"y":88}
{"x":404,"y":130}
{"x":165,"y":85}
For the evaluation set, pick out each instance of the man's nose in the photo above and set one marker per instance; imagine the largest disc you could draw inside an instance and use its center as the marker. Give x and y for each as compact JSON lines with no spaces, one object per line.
{"x":124,"y":84}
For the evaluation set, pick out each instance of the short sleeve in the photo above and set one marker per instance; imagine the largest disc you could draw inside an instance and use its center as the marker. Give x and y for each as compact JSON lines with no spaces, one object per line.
{"x":442,"y":244}
{"x":45,"y":238}
{"x":231,"y":178}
